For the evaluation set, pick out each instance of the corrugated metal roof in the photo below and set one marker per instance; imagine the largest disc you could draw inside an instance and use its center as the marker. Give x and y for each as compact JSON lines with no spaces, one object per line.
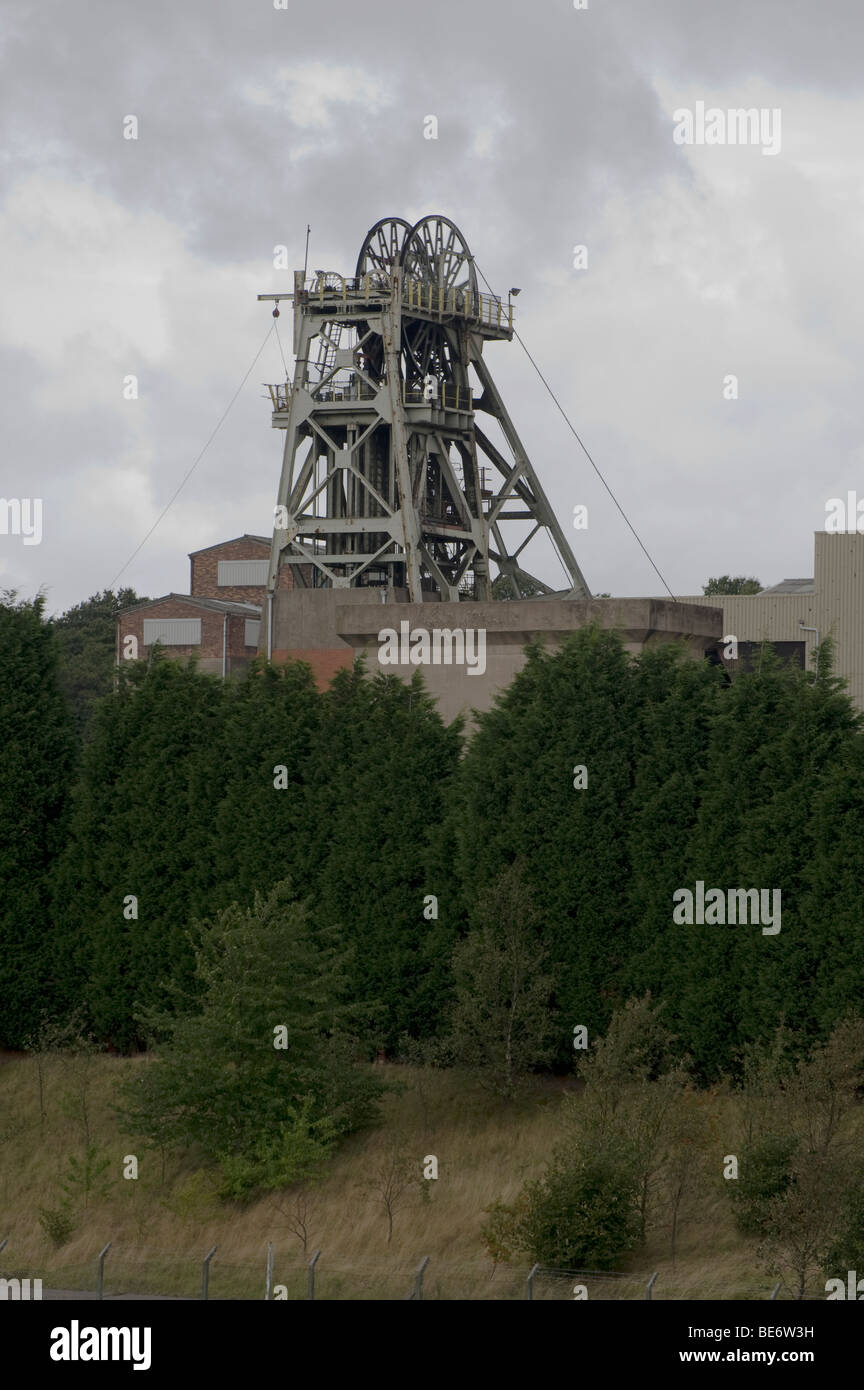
{"x":221,"y":605}
{"x":792,"y":586}
{"x":247,"y":536}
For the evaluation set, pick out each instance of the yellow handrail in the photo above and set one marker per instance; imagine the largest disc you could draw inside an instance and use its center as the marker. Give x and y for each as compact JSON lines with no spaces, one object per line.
{"x":490,"y":309}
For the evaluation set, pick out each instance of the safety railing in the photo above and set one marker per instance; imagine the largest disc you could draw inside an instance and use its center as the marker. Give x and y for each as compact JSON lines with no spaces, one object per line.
{"x":443,"y":394}
{"x":489,"y":309}
{"x":356,"y":390}
{"x":332,"y":286}
{"x":437,"y":299}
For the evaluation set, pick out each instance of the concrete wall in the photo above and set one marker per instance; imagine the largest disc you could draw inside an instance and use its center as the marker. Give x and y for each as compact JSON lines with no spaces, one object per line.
{"x":305,"y":628}
{"x":508,"y":627}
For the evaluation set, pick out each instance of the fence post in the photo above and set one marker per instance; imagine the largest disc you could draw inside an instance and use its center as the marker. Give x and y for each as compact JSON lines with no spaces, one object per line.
{"x":268,"y":1281}
{"x":310,"y":1284}
{"x":205,"y":1273}
{"x":530,"y":1282}
{"x":774,"y":1291}
{"x":418,"y":1279}
{"x":102,"y":1253}
{"x":649,"y":1287}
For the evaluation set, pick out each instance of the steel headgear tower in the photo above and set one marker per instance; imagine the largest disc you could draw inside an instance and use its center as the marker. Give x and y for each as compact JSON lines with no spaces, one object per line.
{"x":388,"y":479}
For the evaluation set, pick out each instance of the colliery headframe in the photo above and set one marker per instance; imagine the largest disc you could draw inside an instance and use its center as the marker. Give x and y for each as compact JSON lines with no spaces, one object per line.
{"x":388,"y":479}
{"x":403,"y":482}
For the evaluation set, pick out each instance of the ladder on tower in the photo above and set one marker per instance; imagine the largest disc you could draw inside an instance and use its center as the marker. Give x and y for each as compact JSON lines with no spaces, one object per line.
{"x":327,"y":348}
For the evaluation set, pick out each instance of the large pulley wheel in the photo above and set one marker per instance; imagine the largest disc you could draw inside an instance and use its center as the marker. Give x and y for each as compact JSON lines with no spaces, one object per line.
{"x":380,"y":252}
{"x":382,"y":247}
{"x":436,"y":253}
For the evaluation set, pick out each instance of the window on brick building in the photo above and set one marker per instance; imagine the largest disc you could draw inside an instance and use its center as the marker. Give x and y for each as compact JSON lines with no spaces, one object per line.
{"x":235,"y":572}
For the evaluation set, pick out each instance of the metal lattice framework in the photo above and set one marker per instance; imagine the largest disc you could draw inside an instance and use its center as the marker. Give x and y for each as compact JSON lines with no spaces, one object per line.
{"x":381,"y":481}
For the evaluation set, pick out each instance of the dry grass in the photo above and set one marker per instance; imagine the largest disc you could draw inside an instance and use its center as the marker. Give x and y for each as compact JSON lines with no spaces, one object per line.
{"x":161,"y":1231}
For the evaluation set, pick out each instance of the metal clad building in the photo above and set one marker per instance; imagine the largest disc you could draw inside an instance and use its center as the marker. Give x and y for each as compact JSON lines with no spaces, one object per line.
{"x":831,"y":602}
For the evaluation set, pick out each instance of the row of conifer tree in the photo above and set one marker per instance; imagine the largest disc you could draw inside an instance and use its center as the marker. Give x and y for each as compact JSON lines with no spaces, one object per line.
{"x":186,"y":794}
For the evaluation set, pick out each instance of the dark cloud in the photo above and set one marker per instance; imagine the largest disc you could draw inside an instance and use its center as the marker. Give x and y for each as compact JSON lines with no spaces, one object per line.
{"x":552,"y":132}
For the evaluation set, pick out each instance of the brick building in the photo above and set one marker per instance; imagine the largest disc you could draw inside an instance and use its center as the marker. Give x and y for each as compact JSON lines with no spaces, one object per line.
{"x":218,"y":620}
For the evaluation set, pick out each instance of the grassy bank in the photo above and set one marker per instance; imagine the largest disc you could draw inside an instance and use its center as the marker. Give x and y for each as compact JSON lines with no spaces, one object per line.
{"x":162,"y":1224}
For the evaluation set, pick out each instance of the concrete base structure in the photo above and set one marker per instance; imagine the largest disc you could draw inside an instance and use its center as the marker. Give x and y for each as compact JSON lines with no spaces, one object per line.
{"x":329,"y":628}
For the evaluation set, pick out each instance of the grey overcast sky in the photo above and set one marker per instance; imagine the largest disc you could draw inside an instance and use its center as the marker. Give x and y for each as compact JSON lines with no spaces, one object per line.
{"x":555,"y":129}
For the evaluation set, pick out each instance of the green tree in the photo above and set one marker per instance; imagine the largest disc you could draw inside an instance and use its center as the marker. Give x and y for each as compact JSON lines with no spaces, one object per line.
{"x":36,"y":770}
{"x":833,"y":963}
{"x":799,"y":1225}
{"x":797,"y":1181}
{"x":566,"y":709}
{"x":258,"y":1071}
{"x":582,"y":1213}
{"x":821,"y":1095}
{"x":765,"y":1173}
{"x":690,"y":1143}
{"x":677,"y":701}
{"x":775,"y":733}
{"x":86,"y":642}
{"x":385,"y":762}
{"x":142,"y":829}
{"x":633,"y":1097}
{"x":85,"y":1177}
{"x":263,"y":826}
{"x":846,"y":1249}
{"x":292,"y":1155}
{"x":501,"y":1022}
{"x":725,"y":584}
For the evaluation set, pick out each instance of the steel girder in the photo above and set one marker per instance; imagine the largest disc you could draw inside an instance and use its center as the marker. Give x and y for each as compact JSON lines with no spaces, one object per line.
{"x":380,"y":481}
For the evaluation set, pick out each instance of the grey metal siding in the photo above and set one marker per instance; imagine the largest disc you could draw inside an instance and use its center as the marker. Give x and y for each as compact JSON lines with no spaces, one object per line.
{"x":172,"y":632}
{"x":233,"y":572}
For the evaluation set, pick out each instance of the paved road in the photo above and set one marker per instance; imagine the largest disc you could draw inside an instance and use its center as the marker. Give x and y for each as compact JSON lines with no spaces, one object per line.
{"x":82,"y":1296}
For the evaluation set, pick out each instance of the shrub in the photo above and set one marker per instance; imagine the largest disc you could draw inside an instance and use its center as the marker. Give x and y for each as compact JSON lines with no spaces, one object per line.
{"x":847,"y":1250}
{"x":765,"y":1173}
{"x":85,"y":1177}
{"x":57,"y":1223}
{"x":293,"y":1156}
{"x":583,"y":1213}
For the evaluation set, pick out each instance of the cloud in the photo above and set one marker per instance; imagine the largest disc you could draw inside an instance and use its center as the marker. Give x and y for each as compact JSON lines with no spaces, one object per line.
{"x":555,"y":129}
{"x":308,"y":93}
